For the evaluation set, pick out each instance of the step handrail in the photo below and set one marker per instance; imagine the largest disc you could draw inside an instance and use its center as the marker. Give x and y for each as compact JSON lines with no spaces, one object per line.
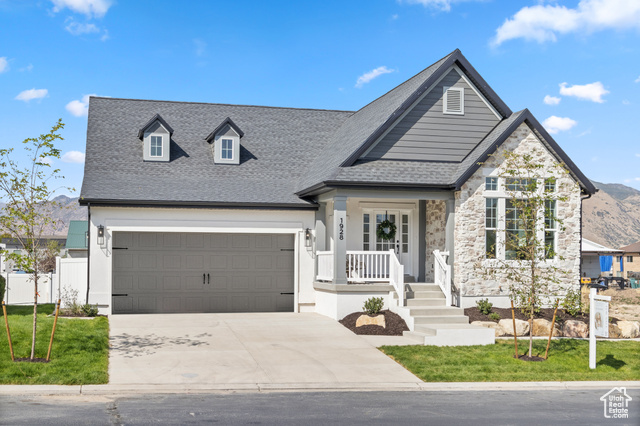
{"x":442,"y":274}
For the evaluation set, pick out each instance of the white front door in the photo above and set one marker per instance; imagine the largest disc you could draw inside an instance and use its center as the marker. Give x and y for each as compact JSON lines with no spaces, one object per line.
{"x":400,"y":243}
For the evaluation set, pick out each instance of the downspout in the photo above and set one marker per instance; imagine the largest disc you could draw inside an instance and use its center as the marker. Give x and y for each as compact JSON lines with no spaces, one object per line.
{"x":88,"y":248}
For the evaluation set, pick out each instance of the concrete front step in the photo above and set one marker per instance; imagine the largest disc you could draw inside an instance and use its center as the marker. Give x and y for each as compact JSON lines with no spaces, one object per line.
{"x":426,"y":302}
{"x":435,"y":310}
{"x":451,"y":335}
{"x":421,"y":287}
{"x":424,"y":294}
{"x":440,"y":319}
{"x":409,"y":278}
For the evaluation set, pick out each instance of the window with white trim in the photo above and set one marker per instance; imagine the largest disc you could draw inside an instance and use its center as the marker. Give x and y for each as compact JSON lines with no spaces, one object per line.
{"x":491,"y":227}
{"x":453,"y":100}
{"x":365,"y":232}
{"x":491,"y":184}
{"x":550,"y":230}
{"x":227,"y":149}
{"x":156,"y":146}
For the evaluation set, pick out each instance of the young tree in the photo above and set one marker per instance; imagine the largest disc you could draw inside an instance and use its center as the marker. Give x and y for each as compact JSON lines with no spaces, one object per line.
{"x":528,"y":258}
{"x":29,"y":203}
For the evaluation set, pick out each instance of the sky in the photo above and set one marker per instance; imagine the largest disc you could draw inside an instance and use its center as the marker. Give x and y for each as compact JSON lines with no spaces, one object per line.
{"x":574,"y":64}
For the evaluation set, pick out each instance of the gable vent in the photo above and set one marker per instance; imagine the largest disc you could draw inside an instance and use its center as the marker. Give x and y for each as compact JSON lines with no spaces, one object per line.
{"x":453,"y":102}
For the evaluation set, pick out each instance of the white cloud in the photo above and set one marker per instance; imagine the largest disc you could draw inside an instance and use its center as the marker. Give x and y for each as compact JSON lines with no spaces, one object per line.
{"x":444,"y":5}
{"x":4,"y":64}
{"x":637,"y":80}
{"x":551,"y":100}
{"x":46,"y":160}
{"x":73,"y":157}
{"x":79,"y":107}
{"x":90,"y":8}
{"x":543,"y":23}
{"x":626,"y":102}
{"x":27,"y":68}
{"x":555,"y":124}
{"x":76,"y":28}
{"x":105,"y":35}
{"x":394,"y":17}
{"x":27,"y":95}
{"x":368,"y":76}
{"x":200,"y":46}
{"x":591,"y":92}
{"x":637,"y":155}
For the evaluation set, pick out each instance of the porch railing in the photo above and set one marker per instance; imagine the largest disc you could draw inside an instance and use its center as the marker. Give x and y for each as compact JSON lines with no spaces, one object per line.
{"x":365,"y":267}
{"x":325,"y":265}
{"x":442,"y":274}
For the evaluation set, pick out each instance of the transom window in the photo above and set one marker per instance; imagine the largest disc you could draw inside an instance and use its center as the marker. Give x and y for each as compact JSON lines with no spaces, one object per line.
{"x":519,"y":184}
{"x":491,"y":184}
{"x":156,"y":146}
{"x":550,"y":185}
{"x":227,"y":149}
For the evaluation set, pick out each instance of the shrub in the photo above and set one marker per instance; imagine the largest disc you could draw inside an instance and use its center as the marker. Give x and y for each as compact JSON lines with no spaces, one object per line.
{"x":572,"y":302}
{"x":373,"y":305}
{"x":494,"y":316}
{"x":3,"y":286}
{"x":90,"y":310}
{"x":70,"y":305}
{"x":484,"y":306}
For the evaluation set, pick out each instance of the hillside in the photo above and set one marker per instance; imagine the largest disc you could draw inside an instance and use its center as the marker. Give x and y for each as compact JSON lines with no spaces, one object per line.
{"x":69,"y":210}
{"x":612,"y":216}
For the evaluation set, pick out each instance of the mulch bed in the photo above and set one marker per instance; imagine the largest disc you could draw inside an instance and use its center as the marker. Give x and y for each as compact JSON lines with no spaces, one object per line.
{"x":530,"y":358}
{"x":474,"y":314}
{"x":395,"y":325}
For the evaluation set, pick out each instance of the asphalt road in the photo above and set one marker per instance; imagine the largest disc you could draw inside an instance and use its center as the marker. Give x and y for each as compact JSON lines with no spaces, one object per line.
{"x":569,"y":407}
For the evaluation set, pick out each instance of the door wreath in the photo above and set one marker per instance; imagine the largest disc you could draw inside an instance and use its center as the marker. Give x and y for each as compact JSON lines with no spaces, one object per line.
{"x":386,"y":230}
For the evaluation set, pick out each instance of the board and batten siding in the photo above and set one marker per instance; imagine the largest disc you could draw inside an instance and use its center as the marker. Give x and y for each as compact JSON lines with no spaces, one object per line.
{"x":427,"y":134}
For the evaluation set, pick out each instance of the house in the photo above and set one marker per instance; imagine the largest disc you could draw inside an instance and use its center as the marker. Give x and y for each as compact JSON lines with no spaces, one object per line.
{"x":629,"y":259}
{"x":76,"y":243}
{"x":590,"y":264}
{"x":13,"y":245}
{"x":199,"y":207}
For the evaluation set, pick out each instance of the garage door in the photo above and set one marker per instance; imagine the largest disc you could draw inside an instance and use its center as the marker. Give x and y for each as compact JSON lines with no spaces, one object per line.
{"x":156,"y":272}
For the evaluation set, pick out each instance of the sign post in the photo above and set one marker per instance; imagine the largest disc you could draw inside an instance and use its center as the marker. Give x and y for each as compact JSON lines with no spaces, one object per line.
{"x":598,"y":321}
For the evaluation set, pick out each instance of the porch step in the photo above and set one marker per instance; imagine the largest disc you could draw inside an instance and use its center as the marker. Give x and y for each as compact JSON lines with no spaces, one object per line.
{"x":441,"y":301}
{"x":419,"y":311}
{"x":421,"y":287}
{"x":434,"y":318}
{"x":429,"y":294}
{"x":451,"y":335}
{"x":409,"y":278}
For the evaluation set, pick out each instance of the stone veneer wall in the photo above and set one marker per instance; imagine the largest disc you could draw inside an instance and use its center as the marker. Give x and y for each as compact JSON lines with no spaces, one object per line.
{"x":470,"y":225}
{"x":435,"y":234}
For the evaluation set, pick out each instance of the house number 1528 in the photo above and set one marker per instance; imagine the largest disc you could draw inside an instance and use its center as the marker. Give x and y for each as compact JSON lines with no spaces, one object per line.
{"x":341,"y":229}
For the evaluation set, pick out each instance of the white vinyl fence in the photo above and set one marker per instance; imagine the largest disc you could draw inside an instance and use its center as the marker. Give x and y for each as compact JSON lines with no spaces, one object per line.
{"x":70,"y":274}
{"x":19,"y":290}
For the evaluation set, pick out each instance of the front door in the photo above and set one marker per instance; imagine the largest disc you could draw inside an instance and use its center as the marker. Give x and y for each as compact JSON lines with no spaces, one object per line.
{"x":400,"y":244}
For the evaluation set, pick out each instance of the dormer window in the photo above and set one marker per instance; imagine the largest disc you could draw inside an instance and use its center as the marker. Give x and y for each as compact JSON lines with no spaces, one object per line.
{"x":226,"y":142}
{"x":227,"y":149}
{"x":156,"y":137}
{"x":156,"y":146}
{"x":453,"y":100}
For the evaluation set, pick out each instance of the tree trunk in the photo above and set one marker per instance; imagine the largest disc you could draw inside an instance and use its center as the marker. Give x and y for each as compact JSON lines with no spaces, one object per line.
{"x":35,"y":315}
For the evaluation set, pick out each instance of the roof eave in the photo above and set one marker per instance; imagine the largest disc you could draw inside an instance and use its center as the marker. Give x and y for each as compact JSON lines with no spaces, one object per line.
{"x":98,"y":202}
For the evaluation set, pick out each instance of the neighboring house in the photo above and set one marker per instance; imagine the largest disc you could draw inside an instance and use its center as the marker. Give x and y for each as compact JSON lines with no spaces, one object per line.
{"x":200,"y":207}
{"x":590,"y":263}
{"x":630,"y":257}
{"x":12,"y":245}
{"x":76,"y":243}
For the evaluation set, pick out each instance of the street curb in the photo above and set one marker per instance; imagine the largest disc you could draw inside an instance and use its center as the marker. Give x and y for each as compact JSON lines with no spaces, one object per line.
{"x":142,"y":389}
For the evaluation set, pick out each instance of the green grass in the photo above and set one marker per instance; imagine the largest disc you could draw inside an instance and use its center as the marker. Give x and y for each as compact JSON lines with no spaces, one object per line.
{"x":568,"y":361}
{"x":79,"y":356}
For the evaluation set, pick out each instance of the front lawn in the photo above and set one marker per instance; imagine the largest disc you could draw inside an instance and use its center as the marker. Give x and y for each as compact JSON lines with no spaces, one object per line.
{"x":79,"y":355}
{"x":568,"y":361}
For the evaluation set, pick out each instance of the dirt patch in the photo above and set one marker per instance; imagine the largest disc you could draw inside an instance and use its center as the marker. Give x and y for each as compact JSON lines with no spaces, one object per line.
{"x":474,"y":314}
{"x":531,"y":358}
{"x":395,"y":325}
{"x":31,"y":360}
{"x":625,"y":304}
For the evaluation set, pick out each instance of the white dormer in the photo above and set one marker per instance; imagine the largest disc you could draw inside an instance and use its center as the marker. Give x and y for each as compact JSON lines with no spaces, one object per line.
{"x":156,"y":139}
{"x":453,"y":100}
{"x":226,"y":142}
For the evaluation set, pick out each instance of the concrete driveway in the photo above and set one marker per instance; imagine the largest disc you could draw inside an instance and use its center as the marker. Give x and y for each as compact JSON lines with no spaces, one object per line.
{"x":297,"y":350}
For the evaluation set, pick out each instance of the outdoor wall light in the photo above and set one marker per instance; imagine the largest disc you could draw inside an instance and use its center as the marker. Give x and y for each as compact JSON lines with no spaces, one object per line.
{"x":307,"y":238}
{"x":100,"y":235}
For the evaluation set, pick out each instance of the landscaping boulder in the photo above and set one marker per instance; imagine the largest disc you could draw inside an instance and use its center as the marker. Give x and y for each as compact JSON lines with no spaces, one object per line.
{"x":574,"y":328}
{"x":367,"y":320}
{"x":490,"y":324}
{"x":542,"y":327}
{"x":614,"y":331}
{"x":629,"y":329}
{"x":522,"y":327}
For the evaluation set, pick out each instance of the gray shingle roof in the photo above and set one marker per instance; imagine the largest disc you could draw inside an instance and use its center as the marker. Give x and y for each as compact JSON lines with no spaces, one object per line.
{"x":284,"y":151}
{"x":276,"y":149}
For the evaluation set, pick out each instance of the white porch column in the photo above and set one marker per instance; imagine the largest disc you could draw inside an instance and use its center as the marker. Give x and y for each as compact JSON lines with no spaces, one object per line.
{"x":450,"y":217}
{"x":339,"y":240}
